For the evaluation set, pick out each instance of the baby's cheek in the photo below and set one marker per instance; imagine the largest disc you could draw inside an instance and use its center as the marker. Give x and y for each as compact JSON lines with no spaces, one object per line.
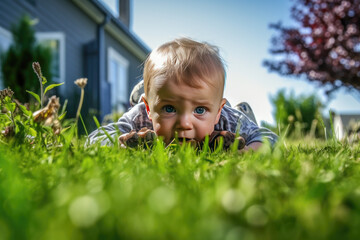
{"x":163,"y":131}
{"x":157,"y":128}
{"x":206,"y":130}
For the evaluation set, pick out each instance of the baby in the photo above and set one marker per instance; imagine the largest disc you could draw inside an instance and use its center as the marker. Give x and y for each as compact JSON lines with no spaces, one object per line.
{"x":184,"y":85}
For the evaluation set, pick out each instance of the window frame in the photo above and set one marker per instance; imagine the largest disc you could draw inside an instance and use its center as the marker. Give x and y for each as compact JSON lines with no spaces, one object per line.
{"x":60,"y":36}
{"x":6,"y":34}
{"x":112,"y":54}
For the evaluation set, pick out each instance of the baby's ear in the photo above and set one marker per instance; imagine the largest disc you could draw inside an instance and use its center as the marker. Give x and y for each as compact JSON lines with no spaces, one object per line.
{"x":147,"y":106}
{"x":223,"y":101}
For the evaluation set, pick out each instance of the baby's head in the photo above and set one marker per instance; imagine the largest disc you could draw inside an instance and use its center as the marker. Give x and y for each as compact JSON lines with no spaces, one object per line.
{"x":184,"y":84}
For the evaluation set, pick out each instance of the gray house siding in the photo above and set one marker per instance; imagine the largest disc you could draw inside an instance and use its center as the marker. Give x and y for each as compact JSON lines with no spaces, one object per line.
{"x":81,"y":32}
{"x":135,"y":66}
{"x":57,"y":16}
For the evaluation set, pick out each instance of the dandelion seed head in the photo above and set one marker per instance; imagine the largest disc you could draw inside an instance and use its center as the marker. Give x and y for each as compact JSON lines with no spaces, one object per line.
{"x":81,"y":82}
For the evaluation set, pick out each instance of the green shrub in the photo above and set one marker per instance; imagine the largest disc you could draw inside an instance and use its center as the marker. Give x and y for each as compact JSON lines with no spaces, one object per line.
{"x":16,"y":61}
{"x":298,"y":115}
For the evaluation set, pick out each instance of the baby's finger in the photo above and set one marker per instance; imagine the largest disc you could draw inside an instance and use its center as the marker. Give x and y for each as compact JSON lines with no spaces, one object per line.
{"x":125,"y":136}
{"x":147,"y":136}
{"x":129,"y":139}
{"x":150,"y":136}
{"x":133,"y":140}
{"x":229,"y":139}
{"x":143,"y":130}
{"x":146,"y":133}
{"x":122,"y":138}
{"x":241,"y":143}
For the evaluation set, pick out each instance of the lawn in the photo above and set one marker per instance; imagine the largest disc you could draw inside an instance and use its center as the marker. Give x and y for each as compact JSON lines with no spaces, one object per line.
{"x":306,"y":190}
{"x":52,"y":187}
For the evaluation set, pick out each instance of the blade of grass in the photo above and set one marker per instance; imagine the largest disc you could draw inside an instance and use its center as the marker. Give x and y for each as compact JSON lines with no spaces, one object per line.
{"x":332,"y":127}
{"x":64,"y":107}
{"x":219,"y":146}
{"x":62,"y":116}
{"x":82,"y":121}
{"x":206,"y":148}
{"x":323,"y":125}
{"x":106,"y":133}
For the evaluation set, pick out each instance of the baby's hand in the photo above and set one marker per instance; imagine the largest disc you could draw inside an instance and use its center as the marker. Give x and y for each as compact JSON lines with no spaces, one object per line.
{"x":133,"y":139}
{"x":228,"y":139}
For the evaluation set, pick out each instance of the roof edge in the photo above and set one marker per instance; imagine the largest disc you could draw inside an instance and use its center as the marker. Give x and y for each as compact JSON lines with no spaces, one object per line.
{"x":96,"y":11}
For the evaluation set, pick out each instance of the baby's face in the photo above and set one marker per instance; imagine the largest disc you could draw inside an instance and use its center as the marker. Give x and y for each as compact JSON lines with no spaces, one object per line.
{"x":178,"y":108}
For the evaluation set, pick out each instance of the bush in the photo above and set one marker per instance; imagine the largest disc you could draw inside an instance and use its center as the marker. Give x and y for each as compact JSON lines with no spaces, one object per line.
{"x":298,"y":115}
{"x":16,"y":62}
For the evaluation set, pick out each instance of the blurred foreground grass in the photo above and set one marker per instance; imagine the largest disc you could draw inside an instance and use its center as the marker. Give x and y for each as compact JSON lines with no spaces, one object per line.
{"x":295,"y":191}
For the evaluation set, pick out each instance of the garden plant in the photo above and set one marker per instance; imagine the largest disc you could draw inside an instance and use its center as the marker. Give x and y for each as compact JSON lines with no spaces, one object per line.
{"x":53,"y":187}
{"x":16,"y":62}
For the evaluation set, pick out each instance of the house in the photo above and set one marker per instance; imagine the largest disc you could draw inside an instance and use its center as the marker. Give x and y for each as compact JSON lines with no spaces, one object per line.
{"x":344,"y":124}
{"x":88,"y":38}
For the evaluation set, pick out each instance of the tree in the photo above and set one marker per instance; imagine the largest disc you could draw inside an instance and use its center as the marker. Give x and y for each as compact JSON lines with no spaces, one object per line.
{"x":16,"y":62}
{"x":325,"y":47}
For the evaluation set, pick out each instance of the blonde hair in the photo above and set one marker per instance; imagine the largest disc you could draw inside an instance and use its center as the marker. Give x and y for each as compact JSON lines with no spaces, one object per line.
{"x":185,"y":61}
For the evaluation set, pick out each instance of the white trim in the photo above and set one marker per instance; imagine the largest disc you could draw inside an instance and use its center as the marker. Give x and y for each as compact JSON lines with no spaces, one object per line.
{"x":7,"y":36}
{"x":6,"y":33}
{"x":113,"y":29}
{"x":112,"y":54}
{"x":58,"y":36}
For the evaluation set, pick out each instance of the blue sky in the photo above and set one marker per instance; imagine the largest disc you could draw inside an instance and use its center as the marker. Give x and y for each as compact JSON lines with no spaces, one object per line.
{"x":240,"y":29}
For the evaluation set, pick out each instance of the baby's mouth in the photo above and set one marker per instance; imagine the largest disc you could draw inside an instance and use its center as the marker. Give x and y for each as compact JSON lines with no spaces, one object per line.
{"x":184,"y":139}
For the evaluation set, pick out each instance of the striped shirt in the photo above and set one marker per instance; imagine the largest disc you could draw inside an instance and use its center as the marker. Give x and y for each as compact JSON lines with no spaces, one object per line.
{"x":230,"y":120}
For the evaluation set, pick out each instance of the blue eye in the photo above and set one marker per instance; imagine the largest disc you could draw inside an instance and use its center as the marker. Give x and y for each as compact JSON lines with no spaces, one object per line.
{"x":200,"y":110}
{"x":169,"y":109}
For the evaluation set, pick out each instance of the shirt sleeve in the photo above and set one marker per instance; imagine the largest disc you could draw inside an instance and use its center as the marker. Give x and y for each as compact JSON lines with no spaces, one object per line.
{"x":134,"y":119}
{"x":253,"y":133}
{"x":237,"y":122}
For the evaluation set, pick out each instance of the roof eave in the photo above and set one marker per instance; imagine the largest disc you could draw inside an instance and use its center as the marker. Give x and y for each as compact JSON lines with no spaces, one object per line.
{"x":97,"y":12}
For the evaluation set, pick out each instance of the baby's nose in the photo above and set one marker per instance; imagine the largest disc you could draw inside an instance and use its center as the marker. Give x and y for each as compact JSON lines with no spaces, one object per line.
{"x":184,"y":122}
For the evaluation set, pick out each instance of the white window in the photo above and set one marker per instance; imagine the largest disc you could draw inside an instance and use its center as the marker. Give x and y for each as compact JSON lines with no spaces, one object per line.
{"x":56,"y":42}
{"x":5,"y":42}
{"x":112,"y":5}
{"x":118,"y":78}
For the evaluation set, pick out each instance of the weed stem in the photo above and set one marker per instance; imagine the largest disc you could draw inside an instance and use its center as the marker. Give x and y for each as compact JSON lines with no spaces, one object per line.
{"x":42,"y":95}
{"x":80,"y":104}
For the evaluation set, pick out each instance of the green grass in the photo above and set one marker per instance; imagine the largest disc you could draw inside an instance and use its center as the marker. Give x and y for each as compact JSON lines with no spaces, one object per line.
{"x":294,"y":191}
